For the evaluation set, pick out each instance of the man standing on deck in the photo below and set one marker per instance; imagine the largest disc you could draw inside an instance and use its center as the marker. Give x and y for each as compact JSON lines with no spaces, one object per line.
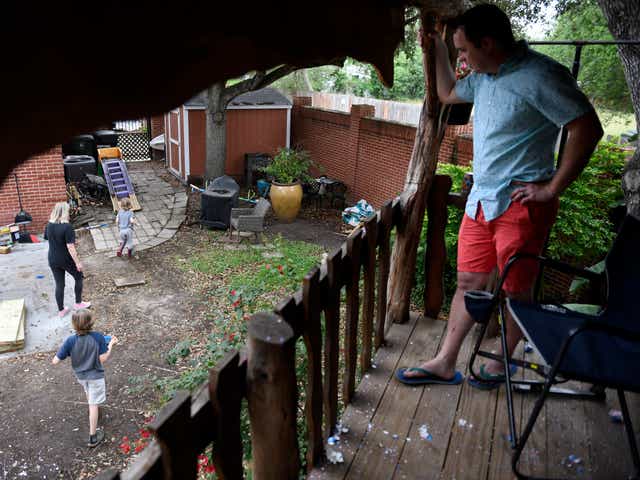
{"x":521,"y":99}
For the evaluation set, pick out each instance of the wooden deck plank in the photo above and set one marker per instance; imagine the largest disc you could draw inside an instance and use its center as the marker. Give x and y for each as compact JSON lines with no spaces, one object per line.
{"x":566,"y":426}
{"x":436,"y":411}
{"x":609,"y":455}
{"x":501,"y":451}
{"x":470,"y":445}
{"x":360,"y":412}
{"x":534,"y":457}
{"x":382,"y":446}
{"x":567,"y":435}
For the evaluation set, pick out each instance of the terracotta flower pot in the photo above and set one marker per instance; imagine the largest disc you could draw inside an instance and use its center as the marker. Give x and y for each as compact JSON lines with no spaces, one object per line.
{"x":286,"y":199}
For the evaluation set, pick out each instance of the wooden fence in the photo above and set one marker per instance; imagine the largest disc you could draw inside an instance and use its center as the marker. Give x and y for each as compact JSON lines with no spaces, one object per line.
{"x":266,"y":376}
{"x":402,"y":112}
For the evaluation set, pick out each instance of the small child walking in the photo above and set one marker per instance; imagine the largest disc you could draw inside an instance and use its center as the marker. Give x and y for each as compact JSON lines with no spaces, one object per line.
{"x":125,"y":221}
{"x":88,"y":351}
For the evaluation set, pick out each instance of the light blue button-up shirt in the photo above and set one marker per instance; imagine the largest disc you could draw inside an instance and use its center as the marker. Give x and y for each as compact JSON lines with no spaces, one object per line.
{"x":518,"y":113}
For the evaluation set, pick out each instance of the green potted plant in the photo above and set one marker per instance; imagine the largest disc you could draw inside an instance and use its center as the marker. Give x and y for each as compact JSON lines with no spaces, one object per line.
{"x":287,"y":170}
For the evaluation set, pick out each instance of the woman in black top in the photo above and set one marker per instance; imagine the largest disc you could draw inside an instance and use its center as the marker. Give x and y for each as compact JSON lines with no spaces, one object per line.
{"x":63,"y":256}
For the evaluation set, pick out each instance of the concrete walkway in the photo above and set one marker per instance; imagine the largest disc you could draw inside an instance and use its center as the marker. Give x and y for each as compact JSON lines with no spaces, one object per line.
{"x":163,"y":211}
{"x":25,"y":273}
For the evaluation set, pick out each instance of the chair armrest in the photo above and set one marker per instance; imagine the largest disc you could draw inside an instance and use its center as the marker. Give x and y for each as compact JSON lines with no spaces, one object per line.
{"x":548,"y":262}
{"x":251,"y":223}
{"x":237,"y":212}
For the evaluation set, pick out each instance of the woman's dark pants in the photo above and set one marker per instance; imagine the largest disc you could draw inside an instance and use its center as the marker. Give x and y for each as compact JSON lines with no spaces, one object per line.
{"x":58,"y":276}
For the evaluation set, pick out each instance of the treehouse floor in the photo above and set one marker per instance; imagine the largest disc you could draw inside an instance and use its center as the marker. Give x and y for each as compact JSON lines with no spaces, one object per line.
{"x":427,"y":432}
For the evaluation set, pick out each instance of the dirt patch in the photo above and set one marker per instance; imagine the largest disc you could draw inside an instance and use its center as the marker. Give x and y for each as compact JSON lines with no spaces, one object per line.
{"x":44,"y":429}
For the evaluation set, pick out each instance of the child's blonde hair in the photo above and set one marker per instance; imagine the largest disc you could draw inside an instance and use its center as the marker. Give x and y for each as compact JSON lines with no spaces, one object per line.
{"x":125,"y":203}
{"x":82,"y":321}
{"x":60,"y":213}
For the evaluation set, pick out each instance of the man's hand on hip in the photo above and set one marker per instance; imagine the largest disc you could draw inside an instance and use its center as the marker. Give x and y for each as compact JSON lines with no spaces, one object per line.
{"x":532,"y":192}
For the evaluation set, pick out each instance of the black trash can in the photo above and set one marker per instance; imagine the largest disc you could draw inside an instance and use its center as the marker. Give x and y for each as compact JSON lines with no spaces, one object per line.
{"x":80,"y":145}
{"x":105,"y":138}
{"x":217,"y":201}
{"x":75,"y":167}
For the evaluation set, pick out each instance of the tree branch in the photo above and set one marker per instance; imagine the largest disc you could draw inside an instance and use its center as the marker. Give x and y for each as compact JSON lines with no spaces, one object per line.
{"x":262,"y":79}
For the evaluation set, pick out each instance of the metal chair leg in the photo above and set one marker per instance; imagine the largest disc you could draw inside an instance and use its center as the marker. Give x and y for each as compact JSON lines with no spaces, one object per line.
{"x":630,"y":433}
{"x":520,"y":444}
{"x":507,"y":376}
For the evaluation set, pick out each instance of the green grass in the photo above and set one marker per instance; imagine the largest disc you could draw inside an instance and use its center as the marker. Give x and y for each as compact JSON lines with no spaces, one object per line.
{"x":614,"y":123}
{"x":236,"y":283}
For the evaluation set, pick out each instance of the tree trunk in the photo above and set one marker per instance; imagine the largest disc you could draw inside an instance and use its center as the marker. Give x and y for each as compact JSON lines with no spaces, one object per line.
{"x":216,"y":142}
{"x":622,"y":16}
{"x":424,"y":160}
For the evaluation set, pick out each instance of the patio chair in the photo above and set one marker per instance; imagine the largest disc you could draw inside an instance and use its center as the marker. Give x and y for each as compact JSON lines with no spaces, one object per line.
{"x":601,"y":349}
{"x":249,"y":219}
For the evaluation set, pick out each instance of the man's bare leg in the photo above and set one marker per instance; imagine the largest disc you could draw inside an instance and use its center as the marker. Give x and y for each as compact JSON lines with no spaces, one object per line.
{"x":514,"y":335}
{"x":460,"y":322}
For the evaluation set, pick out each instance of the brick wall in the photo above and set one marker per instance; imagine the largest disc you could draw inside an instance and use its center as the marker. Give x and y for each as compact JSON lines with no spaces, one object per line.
{"x":157,"y":125}
{"x":369,"y":155}
{"x":41,"y":180}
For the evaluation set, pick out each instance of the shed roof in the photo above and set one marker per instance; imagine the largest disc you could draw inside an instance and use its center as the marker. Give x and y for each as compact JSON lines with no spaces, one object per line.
{"x":259,"y":98}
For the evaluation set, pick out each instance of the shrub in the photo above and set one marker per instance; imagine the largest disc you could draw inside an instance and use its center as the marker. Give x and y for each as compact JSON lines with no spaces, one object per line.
{"x":289,"y":166}
{"x":583,"y":232}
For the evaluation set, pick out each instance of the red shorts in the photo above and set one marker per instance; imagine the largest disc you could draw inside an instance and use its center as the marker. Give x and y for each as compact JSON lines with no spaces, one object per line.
{"x":521,"y":228}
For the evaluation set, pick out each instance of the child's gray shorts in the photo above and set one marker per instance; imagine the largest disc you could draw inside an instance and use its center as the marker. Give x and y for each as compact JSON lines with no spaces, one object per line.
{"x":96,"y":390}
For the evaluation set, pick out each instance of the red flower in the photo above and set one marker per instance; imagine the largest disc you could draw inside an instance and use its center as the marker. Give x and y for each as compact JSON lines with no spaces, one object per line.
{"x":125,"y":439}
{"x":203,"y":459}
{"x":139,"y":447}
{"x":281,"y":269}
{"x":144,"y":433}
{"x":125,"y":448}
{"x":246,"y":316}
{"x":233,"y":293}
{"x":232,"y":336}
{"x":268,"y":266}
{"x":236,"y":304}
{"x":149,"y":419}
{"x":210,"y":468}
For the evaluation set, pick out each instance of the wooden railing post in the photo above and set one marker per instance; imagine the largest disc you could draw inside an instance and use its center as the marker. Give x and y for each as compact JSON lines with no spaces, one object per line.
{"x":354,"y":246}
{"x":435,"y":255}
{"x":384,"y":229}
{"x":172,"y":428}
{"x":368,"y":303}
{"x":312,"y":335}
{"x":332,"y":341}
{"x":226,"y":388}
{"x":422,"y":167}
{"x":272,"y":396}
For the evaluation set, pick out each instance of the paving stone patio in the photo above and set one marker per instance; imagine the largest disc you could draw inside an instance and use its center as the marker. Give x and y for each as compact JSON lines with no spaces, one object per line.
{"x":163,"y":211}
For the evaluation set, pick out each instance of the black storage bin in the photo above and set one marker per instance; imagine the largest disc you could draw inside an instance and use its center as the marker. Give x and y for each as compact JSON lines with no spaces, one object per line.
{"x":217,"y":201}
{"x":106,"y":138}
{"x":80,"y":145}
{"x":75,"y":166}
{"x":252,"y":162}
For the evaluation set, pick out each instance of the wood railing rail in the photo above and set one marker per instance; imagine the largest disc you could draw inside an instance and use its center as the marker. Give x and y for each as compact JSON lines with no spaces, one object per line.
{"x":266,"y":376}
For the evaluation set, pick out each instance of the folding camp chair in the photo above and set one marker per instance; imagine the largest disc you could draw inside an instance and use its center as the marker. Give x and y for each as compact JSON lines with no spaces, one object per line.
{"x":600,"y":349}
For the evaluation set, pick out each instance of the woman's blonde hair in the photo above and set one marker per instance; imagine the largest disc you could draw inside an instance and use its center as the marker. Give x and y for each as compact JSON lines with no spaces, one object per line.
{"x":82,"y":321}
{"x":60,"y":213}
{"x":125,"y":203}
